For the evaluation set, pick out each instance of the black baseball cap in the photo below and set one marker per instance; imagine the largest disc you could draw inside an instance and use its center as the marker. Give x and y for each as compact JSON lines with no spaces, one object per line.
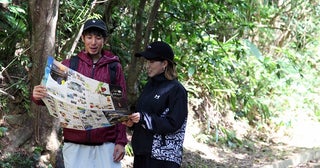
{"x":158,"y":50}
{"x":95,"y":23}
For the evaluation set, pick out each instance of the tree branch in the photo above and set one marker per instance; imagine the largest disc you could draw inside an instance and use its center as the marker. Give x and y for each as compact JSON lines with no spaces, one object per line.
{"x":7,"y":94}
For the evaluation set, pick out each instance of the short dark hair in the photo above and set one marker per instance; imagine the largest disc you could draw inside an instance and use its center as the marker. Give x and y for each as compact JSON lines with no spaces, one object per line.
{"x":95,"y":31}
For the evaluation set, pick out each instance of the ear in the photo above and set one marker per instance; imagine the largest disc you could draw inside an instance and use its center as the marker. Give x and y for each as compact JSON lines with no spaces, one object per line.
{"x":82,"y":38}
{"x":165,"y":62}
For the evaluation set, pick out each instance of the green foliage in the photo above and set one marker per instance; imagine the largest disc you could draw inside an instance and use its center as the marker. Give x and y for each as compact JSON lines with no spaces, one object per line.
{"x":21,"y":159}
{"x":3,"y":104}
{"x":221,"y":135}
{"x":297,"y":90}
{"x":19,"y":84}
{"x":215,"y":58}
{"x":23,"y":87}
{"x":17,"y":160}
{"x":13,"y":25}
{"x":317,"y":113}
{"x":3,"y":130}
{"x":229,"y":138}
{"x":13,"y":60}
{"x":228,"y":51}
{"x":37,"y":152}
{"x":71,"y":16}
{"x":129,"y":150}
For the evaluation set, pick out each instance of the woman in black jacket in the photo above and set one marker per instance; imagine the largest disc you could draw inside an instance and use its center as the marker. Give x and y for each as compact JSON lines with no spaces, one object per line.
{"x":161,"y":112}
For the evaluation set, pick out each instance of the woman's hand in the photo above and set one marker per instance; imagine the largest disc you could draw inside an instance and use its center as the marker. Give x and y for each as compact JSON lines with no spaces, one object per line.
{"x":128,"y":123}
{"x":133,"y":118}
{"x":39,"y":92}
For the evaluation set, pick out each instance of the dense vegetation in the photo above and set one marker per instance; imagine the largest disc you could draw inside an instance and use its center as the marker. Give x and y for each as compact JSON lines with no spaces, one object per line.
{"x":246,"y":57}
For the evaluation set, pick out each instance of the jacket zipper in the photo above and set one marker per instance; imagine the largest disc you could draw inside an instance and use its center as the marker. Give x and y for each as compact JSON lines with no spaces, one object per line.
{"x":92,"y":76}
{"x":92,"y":72}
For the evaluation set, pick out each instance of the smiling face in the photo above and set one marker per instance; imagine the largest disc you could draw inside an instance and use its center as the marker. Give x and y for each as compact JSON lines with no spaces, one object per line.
{"x":93,"y":39}
{"x":154,"y":68}
{"x":93,"y":43}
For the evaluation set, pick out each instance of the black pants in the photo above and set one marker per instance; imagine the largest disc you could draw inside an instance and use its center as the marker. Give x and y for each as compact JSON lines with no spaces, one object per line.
{"x":145,"y":161}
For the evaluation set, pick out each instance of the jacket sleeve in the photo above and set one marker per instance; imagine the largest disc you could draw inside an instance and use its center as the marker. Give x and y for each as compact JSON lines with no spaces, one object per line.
{"x":121,"y":134}
{"x":121,"y":129}
{"x":173,"y":118}
{"x":37,"y":102}
{"x":66,"y":62}
{"x":121,"y":81}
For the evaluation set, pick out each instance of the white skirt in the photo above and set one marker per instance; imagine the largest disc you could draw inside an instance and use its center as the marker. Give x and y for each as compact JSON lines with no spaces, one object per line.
{"x":84,"y":156}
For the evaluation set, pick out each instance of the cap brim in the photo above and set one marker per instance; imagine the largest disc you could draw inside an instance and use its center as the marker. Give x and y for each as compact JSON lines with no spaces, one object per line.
{"x":95,"y":26}
{"x":150,"y":56}
{"x":146,"y":55}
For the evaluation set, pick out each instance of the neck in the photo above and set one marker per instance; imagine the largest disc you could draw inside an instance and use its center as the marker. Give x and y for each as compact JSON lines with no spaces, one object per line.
{"x":95,"y":57}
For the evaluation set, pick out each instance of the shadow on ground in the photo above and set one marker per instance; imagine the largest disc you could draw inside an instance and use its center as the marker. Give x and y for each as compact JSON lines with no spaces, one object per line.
{"x":272,"y":156}
{"x":195,"y":160}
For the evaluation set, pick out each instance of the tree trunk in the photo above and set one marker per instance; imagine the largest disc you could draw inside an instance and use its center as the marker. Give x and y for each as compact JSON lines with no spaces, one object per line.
{"x":135,"y":66}
{"x":43,"y":15}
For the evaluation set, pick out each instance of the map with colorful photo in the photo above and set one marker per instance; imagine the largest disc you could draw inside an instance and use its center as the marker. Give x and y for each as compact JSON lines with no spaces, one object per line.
{"x":80,"y":102}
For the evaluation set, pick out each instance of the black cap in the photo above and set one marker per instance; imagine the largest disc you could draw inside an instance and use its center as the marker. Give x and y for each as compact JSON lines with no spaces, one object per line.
{"x":157,"y":51}
{"x":95,"y":23}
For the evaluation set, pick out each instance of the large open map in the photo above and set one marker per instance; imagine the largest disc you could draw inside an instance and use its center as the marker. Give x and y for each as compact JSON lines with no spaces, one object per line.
{"x":80,"y":102}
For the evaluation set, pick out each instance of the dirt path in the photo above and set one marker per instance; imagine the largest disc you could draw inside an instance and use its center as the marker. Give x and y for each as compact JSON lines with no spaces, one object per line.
{"x":297,"y":149}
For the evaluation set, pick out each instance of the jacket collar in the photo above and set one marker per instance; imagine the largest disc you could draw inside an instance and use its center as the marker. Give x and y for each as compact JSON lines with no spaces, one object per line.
{"x":107,"y":57}
{"x":158,"y":78}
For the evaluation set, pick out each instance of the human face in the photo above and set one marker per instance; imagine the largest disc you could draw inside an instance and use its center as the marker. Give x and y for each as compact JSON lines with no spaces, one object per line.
{"x":154,"y":68}
{"x":93,"y":44}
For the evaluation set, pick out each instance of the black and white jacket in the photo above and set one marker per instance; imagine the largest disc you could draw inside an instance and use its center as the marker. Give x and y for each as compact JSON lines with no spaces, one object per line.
{"x":163,"y":106}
